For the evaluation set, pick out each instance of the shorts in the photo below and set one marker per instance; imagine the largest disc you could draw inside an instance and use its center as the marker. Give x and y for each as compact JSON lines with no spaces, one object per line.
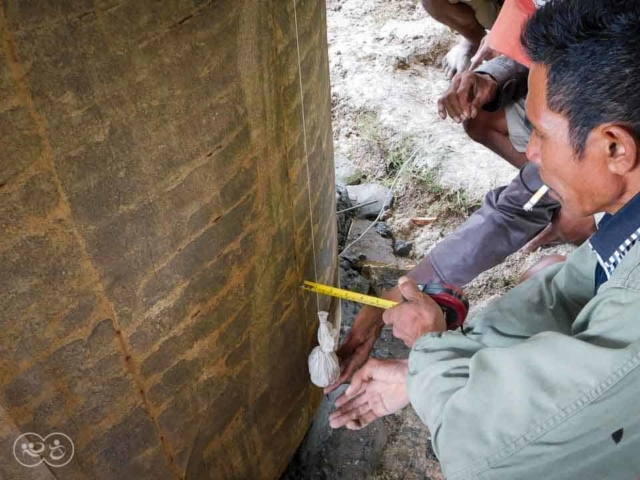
{"x":486,"y":11}
{"x":518,"y":124}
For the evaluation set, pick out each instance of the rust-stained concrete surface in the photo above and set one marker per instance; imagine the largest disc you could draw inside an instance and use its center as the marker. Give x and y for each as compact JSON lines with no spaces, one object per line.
{"x":154,"y":228}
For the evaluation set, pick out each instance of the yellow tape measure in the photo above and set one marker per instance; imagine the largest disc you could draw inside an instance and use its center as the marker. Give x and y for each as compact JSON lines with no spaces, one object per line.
{"x":348,"y":295}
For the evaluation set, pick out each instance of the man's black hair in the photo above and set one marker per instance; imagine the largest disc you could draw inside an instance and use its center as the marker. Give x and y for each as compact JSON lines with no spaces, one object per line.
{"x":591,"y":49}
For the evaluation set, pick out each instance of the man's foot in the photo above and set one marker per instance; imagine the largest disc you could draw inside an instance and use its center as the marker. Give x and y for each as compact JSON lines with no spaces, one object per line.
{"x":563,"y":229}
{"x":459,"y":58}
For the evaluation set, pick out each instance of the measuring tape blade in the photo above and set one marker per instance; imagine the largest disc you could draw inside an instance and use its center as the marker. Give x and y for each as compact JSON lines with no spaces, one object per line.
{"x":348,"y":295}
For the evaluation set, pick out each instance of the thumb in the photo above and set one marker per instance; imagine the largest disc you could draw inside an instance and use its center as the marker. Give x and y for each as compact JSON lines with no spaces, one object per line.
{"x":409,"y":289}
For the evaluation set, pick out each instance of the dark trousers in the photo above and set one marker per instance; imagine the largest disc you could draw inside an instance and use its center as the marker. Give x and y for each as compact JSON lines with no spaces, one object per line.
{"x":495,"y":231}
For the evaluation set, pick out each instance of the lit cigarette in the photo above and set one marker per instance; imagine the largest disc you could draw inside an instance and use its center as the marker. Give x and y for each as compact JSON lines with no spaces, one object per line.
{"x":536,"y":198}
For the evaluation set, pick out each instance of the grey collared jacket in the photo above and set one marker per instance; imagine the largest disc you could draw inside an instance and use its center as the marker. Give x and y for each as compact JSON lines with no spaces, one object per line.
{"x":543,"y":384}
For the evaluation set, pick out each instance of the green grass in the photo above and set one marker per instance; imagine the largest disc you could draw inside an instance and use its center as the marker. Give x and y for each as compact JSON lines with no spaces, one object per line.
{"x":449,"y":202}
{"x":372,"y":130}
{"x":430,"y":177}
{"x":398,"y":149}
{"x":399,"y":153}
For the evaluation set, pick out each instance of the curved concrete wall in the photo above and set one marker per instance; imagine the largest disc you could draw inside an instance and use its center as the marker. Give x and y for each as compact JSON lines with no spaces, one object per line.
{"x":155,"y":226}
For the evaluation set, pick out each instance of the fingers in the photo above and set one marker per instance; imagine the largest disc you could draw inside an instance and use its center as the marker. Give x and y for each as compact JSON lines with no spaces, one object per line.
{"x":362,"y":421}
{"x":350,"y":365}
{"x":354,"y":402}
{"x":444,"y":102}
{"x":449,"y":71}
{"x":358,"y":386}
{"x":348,"y":413}
{"x":403,"y":335}
{"x":477,"y":59}
{"x":465,"y":95}
{"x":409,"y":289}
{"x":354,"y":419}
{"x":453,"y":105}
{"x":395,"y":317}
{"x":485,"y":89}
{"x":456,"y":101}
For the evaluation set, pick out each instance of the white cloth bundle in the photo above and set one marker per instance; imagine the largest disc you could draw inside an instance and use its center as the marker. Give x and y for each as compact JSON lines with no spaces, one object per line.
{"x":324,"y":367}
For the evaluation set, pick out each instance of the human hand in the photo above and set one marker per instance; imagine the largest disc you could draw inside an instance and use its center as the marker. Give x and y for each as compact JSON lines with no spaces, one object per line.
{"x":484,"y":52}
{"x":358,"y":344}
{"x":416,"y":316}
{"x":466,"y":94}
{"x":377,"y":389}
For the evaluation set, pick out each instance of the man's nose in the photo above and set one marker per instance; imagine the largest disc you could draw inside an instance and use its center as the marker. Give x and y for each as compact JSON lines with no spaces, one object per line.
{"x":533,"y":152}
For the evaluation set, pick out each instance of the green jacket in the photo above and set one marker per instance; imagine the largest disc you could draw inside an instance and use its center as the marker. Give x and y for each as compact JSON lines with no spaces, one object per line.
{"x":543,"y":384}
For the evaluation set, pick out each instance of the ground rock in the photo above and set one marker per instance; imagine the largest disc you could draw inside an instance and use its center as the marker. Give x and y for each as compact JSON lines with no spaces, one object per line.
{"x":402,"y":248}
{"x":367,"y":192}
{"x":346,"y":172}
{"x":383,"y":229}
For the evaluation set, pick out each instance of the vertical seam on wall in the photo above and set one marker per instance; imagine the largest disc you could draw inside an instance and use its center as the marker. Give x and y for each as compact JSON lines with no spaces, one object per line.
{"x":24,"y":93}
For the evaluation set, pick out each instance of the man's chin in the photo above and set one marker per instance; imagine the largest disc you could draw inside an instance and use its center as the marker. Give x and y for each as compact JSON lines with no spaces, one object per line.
{"x":575,"y":211}
{"x":555,"y":196}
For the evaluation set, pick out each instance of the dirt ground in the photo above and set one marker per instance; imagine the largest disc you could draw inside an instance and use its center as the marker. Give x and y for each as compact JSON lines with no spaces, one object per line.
{"x":386,"y":77}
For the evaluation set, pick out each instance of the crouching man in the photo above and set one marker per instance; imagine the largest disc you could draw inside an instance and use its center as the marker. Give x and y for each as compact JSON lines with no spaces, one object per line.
{"x":545,"y":382}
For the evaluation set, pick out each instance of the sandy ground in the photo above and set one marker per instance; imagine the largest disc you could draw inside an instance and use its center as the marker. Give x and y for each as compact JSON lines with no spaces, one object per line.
{"x":385,"y":57}
{"x":386,"y":78}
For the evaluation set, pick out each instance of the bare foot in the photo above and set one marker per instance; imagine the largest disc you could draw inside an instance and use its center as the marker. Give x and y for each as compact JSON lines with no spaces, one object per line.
{"x":563,"y":229}
{"x":459,"y":58}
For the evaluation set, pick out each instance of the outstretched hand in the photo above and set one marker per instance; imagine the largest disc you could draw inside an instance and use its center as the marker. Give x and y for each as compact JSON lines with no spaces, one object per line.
{"x":377,"y":389}
{"x":358,"y":344}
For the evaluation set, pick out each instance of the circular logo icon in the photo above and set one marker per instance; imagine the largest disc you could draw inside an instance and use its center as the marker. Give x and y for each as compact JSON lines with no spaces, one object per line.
{"x":56,"y":449}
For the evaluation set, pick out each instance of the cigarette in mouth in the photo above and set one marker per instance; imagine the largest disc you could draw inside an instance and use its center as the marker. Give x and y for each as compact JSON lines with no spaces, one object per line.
{"x":536,"y":198}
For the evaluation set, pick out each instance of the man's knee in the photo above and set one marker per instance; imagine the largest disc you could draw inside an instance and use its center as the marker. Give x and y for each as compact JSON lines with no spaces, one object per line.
{"x":436,"y":8}
{"x":486,"y":126}
{"x":477,"y":130}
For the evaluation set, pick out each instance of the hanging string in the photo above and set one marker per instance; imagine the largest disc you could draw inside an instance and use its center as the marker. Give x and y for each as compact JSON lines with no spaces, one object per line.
{"x":306,"y":151}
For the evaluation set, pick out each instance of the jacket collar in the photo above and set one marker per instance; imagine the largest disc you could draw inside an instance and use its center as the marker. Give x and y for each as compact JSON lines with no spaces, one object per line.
{"x":616,"y":235}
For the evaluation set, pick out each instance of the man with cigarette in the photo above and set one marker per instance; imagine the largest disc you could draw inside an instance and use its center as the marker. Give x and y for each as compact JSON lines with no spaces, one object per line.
{"x":544,"y":383}
{"x":489,"y":101}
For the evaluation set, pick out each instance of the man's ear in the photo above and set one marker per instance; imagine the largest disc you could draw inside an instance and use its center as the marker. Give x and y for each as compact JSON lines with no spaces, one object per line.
{"x":621,"y":148}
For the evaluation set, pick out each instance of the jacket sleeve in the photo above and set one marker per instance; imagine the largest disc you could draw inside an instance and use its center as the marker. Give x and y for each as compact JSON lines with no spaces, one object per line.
{"x":511,"y":77}
{"x":482,"y":393}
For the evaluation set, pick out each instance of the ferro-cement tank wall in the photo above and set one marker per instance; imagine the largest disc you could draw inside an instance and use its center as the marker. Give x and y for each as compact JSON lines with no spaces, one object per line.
{"x":155,"y":227}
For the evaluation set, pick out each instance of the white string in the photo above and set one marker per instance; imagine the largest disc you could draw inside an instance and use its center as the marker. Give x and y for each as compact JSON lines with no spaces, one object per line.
{"x":393,"y":186}
{"x":306,"y":152}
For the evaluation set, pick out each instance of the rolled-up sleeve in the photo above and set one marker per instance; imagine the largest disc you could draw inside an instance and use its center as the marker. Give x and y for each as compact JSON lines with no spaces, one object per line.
{"x":510,"y":76}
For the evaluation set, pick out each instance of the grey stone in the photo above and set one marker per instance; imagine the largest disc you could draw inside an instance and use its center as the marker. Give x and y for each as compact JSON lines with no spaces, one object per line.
{"x":367,"y":192}
{"x":402,"y":248}
{"x":346,"y":172}
{"x":383,"y":229}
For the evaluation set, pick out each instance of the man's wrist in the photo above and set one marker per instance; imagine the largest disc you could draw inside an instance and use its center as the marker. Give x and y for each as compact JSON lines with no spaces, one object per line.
{"x":495,"y":98}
